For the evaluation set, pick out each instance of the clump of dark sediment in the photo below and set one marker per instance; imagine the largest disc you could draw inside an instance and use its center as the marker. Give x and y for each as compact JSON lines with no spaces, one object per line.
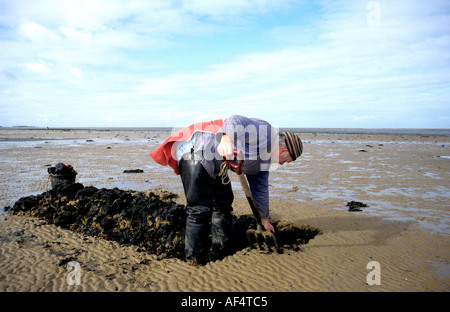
{"x":355,"y":206}
{"x":152,"y":221}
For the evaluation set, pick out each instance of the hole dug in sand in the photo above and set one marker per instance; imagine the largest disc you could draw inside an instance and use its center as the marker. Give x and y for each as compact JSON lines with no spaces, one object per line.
{"x":153,"y":221}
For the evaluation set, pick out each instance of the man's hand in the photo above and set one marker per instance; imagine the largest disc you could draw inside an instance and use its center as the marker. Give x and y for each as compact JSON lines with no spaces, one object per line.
{"x":226,"y":147}
{"x":267,"y":226}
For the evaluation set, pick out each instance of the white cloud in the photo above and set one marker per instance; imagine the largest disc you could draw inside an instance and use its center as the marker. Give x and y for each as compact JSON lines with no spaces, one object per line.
{"x":39,"y":67}
{"x":75,"y":35}
{"x":84,"y":14}
{"x":76,"y":72}
{"x":38,"y":33}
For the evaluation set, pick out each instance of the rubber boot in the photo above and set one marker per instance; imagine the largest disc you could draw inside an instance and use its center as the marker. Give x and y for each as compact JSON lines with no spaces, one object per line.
{"x":197,"y":234}
{"x":221,"y":227}
{"x":222,"y":222}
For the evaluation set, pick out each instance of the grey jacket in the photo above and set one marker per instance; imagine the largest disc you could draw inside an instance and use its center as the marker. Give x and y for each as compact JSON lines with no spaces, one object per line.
{"x":256,"y":139}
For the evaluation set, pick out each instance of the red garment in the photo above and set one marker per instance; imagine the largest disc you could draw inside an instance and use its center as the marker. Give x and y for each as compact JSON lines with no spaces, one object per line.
{"x":163,"y":154}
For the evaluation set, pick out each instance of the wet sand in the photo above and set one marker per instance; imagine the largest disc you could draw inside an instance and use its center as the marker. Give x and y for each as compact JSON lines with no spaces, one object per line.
{"x":405,"y":228}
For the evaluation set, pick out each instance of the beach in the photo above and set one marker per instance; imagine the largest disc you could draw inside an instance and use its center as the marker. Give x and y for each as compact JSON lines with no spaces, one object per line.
{"x":400,"y":242}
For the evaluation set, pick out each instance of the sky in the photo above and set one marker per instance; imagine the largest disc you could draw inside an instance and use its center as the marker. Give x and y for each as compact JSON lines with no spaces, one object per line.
{"x":294,"y":63}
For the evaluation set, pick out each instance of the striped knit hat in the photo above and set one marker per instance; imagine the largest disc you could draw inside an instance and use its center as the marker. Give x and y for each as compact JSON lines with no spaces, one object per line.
{"x":293,"y":144}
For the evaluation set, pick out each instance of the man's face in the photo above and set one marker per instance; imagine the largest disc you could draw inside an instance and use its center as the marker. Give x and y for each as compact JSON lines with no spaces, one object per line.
{"x":284,"y":156}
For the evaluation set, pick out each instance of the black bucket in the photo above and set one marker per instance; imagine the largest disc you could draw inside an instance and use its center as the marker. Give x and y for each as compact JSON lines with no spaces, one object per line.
{"x":61,"y":173}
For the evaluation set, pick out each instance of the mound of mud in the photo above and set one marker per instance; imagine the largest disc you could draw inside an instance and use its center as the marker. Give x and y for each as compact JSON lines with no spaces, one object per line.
{"x":153,"y":221}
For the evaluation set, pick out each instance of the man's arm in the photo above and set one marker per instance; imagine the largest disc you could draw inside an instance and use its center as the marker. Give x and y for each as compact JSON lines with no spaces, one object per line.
{"x":259,"y":186}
